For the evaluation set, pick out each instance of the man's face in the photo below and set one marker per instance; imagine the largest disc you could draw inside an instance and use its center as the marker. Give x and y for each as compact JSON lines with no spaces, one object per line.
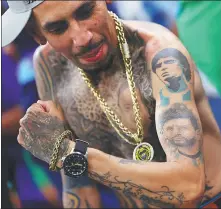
{"x":180,"y":132}
{"x":168,"y":70}
{"x":81,"y":30}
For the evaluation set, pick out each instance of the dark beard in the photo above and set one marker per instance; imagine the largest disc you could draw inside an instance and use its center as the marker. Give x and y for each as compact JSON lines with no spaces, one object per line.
{"x":187,"y":143}
{"x":174,"y":83}
{"x":94,"y":75}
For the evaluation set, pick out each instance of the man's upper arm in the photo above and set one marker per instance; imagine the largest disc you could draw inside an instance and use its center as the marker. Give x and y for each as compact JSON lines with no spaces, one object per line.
{"x":43,"y":74}
{"x":177,"y":121}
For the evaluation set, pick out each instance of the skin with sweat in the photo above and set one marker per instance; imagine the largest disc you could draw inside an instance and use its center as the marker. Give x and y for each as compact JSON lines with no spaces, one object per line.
{"x":182,"y":131}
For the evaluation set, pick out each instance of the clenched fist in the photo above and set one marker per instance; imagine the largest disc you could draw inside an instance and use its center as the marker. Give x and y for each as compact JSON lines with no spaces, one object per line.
{"x":40,"y":127}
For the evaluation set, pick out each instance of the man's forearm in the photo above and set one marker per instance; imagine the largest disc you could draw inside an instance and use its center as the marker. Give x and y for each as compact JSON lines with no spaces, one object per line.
{"x":154,"y":184}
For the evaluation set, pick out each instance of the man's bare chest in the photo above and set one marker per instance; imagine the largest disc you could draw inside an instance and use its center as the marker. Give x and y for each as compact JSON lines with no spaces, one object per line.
{"x":87,"y":119}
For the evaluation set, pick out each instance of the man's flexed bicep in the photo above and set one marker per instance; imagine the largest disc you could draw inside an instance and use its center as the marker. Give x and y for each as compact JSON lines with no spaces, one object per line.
{"x":177,"y":121}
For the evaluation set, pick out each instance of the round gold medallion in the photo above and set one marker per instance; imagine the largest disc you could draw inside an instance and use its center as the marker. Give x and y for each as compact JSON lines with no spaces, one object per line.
{"x":143,"y":152}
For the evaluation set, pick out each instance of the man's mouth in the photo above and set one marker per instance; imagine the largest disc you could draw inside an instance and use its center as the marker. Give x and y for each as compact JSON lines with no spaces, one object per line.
{"x":179,"y":139}
{"x":93,"y":55}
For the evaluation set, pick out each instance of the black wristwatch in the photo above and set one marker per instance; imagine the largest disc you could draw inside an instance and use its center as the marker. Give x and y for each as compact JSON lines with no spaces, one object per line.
{"x":75,"y":164}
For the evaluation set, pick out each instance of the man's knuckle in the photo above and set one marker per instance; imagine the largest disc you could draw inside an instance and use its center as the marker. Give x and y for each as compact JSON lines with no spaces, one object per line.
{"x":22,"y":121}
{"x":19,"y":139}
{"x":30,"y":109}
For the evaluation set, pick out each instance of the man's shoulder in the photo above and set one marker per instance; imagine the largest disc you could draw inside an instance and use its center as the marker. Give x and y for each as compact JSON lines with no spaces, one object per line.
{"x":47,"y":55}
{"x":42,"y":50}
{"x":144,"y":24}
{"x":149,"y":30}
{"x":155,"y":37}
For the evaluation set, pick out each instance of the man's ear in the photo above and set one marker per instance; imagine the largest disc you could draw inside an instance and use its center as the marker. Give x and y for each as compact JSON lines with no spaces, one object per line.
{"x":34,"y":31}
{"x":37,"y":36}
{"x":40,"y":39}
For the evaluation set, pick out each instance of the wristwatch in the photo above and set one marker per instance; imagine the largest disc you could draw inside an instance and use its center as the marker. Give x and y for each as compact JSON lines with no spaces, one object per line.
{"x":75,"y":164}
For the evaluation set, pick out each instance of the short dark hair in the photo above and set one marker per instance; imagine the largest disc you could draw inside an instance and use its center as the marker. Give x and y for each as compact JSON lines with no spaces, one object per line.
{"x":171,"y":52}
{"x":178,"y":111}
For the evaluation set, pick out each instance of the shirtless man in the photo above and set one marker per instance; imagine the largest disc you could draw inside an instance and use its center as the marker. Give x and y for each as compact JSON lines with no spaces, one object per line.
{"x":186,"y":167}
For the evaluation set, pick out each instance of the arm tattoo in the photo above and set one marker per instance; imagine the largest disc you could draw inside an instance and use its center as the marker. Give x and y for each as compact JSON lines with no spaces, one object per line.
{"x":133,"y":192}
{"x":127,"y":201}
{"x":88,"y":204}
{"x":75,"y":194}
{"x":71,"y":200}
{"x":44,"y":89}
{"x":181,"y":132}
{"x":207,"y":193}
{"x":173,"y":69}
{"x":44,"y":79}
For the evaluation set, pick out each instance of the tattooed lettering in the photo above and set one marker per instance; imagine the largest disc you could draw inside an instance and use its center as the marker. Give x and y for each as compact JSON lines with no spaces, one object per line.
{"x":133,"y":192}
{"x":76,"y":192}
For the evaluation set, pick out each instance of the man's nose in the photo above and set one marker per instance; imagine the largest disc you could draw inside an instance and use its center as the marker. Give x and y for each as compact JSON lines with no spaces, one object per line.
{"x":80,"y":35}
{"x":83,"y":39}
{"x":176,"y":131}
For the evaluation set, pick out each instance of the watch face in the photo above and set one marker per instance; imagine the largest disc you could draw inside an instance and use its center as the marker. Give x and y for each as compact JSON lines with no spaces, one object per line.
{"x":75,"y":165}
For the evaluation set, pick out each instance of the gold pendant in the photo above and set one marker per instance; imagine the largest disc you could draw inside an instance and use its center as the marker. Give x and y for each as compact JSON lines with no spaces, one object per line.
{"x":143,"y":152}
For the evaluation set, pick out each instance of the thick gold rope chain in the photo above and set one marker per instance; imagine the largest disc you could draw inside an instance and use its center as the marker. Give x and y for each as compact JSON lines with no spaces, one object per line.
{"x":112,"y":117}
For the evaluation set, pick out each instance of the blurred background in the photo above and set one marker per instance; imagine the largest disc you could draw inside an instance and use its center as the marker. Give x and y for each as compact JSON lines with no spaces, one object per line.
{"x":26,"y":181}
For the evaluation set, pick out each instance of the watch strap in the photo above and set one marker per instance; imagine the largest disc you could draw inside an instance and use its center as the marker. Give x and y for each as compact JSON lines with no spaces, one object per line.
{"x":81,"y":146}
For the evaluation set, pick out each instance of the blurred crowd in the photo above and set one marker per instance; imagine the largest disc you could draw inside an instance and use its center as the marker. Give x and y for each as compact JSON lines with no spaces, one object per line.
{"x":26,"y":181}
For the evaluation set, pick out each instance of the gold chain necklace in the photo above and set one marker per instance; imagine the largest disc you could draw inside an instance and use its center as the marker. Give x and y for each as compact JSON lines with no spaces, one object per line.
{"x":143,"y":151}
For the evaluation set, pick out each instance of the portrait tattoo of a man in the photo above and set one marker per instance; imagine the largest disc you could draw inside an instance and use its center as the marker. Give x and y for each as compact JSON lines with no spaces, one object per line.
{"x":173,"y":69}
{"x":181,"y":132}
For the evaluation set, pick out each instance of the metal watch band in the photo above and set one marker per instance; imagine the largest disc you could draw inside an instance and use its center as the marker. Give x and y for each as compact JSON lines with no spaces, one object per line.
{"x":81,"y":146}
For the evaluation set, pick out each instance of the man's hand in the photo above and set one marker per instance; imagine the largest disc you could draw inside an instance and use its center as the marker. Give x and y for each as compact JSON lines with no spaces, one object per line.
{"x":40,"y":128}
